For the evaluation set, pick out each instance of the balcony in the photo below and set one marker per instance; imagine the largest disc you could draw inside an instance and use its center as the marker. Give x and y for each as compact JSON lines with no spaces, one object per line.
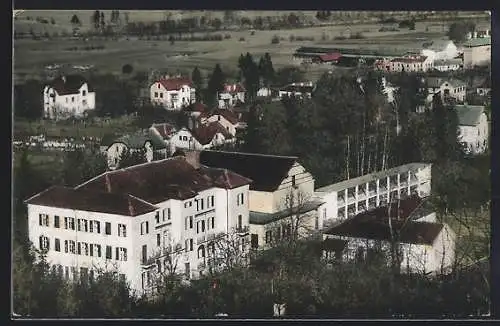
{"x":361,"y":195}
{"x":340,"y":200}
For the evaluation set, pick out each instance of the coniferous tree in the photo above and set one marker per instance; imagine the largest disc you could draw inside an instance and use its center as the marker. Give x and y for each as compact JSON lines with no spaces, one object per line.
{"x":215,"y":85}
{"x":197,"y":82}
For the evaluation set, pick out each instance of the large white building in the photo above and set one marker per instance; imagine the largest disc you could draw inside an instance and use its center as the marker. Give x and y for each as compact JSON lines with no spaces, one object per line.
{"x":281,"y":197}
{"x":67,"y":96}
{"x":141,"y":220}
{"x":173,"y":93}
{"x":473,"y":128}
{"x":477,"y":52}
{"x":416,"y":63}
{"x":347,"y":198}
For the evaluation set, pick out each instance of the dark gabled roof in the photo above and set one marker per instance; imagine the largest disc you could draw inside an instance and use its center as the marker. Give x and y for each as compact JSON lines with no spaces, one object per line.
{"x":226,"y":113}
{"x":224,"y":178}
{"x":92,"y":201}
{"x":266,"y":171}
{"x":374,"y":225}
{"x":469,"y":115}
{"x":264,"y":218}
{"x":157,"y":181}
{"x":165,"y":130}
{"x":68,"y":84}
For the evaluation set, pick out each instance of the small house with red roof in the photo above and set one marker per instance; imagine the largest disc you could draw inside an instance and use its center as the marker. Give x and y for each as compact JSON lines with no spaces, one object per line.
{"x":227,"y":118}
{"x":172,"y":93}
{"x":67,"y":96}
{"x":231,"y":95}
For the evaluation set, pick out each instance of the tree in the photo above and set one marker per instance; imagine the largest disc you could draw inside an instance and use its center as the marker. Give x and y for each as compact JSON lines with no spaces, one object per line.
{"x":96,"y":19}
{"x":250,"y":73}
{"x":130,"y":158}
{"x":288,"y":75}
{"x":266,"y":70}
{"x":197,"y":82}
{"x":75,"y":21}
{"x":80,"y":166}
{"x":457,"y":32}
{"x":228,"y":251}
{"x":28,"y":100}
{"x":102,"y":22}
{"x":215,"y":85}
{"x":127,"y":69}
{"x":274,"y":137}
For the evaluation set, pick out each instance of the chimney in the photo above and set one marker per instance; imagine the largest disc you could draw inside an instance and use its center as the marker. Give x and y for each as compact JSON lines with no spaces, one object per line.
{"x":63,"y":79}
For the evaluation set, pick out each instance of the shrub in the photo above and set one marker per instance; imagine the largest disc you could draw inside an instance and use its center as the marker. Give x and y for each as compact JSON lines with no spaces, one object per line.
{"x":242,"y":39}
{"x":227,"y":36}
{"x":292,"y":38}
{"x":339,"y":38}
{"x":127,"y":69}
{"x":275,"y":39}
{"x":357,"y":36}
{"x":252,"y":33}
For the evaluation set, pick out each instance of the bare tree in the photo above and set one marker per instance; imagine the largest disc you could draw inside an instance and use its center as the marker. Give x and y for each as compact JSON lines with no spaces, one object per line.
{"x":227,"y":251}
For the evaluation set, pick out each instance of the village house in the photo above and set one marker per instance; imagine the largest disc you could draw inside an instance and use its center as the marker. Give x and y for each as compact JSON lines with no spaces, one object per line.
{"x":67,"y":96}
{"x":328,"y":58}
{"x":183,"y":139}
{"x":415,"y":63}
{"x":304,"y":90}
{"x":423,"y":245}
{"x":347,"y":198}
{"x":231,"y":95}
{"x":152,"y":146}
{"x":477,"y":52}
{"x":281,"y":198}
{"x":447,"y":87}
{"x":172,"y":93}
{"x":473,"y":128}
{"x":145,"y":220}
{"x":448,"y":64}
{"x":211,"y":135}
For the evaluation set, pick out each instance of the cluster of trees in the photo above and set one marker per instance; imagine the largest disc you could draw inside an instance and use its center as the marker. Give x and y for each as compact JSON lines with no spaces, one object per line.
{"x":323,"y":15}
{"x":348,"y":129}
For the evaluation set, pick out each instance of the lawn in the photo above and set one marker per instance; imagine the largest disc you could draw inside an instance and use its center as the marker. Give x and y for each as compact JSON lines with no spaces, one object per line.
{"x":117,"y":126}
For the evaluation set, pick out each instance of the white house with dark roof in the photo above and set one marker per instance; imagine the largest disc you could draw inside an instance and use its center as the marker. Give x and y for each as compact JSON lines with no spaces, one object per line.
{"x":281,"y":193}
{"x":67,"y":96}
{"x":448,"y":88}
{"x":173,"y":93}
{"x":139,"y":218}
{"x":226,"y":117}
{"x":424,"y":245}
{"x":473,"y":127}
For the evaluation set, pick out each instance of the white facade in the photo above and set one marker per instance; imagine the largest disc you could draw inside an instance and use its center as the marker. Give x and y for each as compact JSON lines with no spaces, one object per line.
{"x":353,"y":196}
{"x":181,"y":94}
{"x":447,"y":50}
{"x":67,"y":105}
{"x":453,"y":89}
{"x":474,"y":134}
{"x":141,"y":247}
{"x":434,"y":258}
{"x":183,"y":139}
{"x":477,"y":52}
{"x":69,"y":237}
{"x":411,"y":64}
{"x":264,"y":92}
{"x":231,"y":95}
{"x":447,"y":65}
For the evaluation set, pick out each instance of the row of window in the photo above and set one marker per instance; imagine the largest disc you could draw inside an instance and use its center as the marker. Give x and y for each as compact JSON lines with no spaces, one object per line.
{"x":71,"y":272}
{"x":82,"y":225}
{"x":83,"y":248}
{"x":165,"y":216}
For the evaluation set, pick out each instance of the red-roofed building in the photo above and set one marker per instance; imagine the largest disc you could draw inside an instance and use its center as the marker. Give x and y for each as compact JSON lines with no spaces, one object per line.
{"x":211,"y":135}
{"x":329,"y":58}
{"x":417,"y":63}
{"x":173,"y":93}
{"x":231,"y":95}
{"x":226,"y":117}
